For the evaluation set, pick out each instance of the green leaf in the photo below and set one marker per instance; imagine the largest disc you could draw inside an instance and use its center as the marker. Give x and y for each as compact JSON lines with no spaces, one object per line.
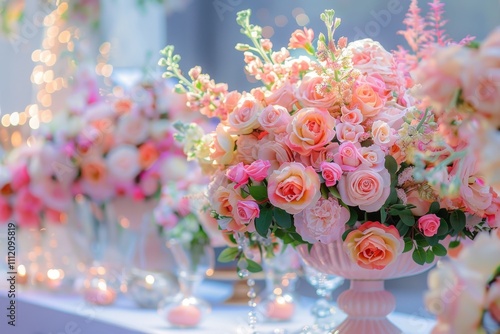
{"x":383,"y":215}
{"x":434,"y":207}
{"x":228,"y":255}
{"x":439,"y":250}
{"x":353,"y":218}
{"x":393,"y":197}
{"x":283,"y":218}
{"x":253,"y":266}
{"x":259,"y":192}
{"x":419,"y":255}
{"x":402,"y":228}
{"x":398,"y":207}
{"x":443,"y":228}
{"x":457,"y":220}
{"x":432,"y":241}
{"x":263,"y":222}
{"x":344,"y":235}
{"x":334,"y":192}
{"x":407,"y":218}
{"x":454,"y":244}
{"x":391,"y":164}
{"x":408,"y":245}
{"x":429,"y":256}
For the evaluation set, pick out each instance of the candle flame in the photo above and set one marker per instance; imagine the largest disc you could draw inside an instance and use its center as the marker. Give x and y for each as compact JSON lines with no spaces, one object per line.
{"x":149,"y":279}
{"x":53,"y":274}
{"x":102,"y":285}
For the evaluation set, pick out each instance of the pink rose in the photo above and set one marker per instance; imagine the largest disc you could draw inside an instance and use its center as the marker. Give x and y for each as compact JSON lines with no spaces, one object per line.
{"x":331,"y":172}
{"x":293,"y":187}
{"x":276,"y":153}
{"x":383,"y":134}
{"x":348,"y":156}
{"x":429,"y":224}
{"x":258,"y":170}
{"x":308,"y":95}
{"x":246,"y":211}
{"x":225,"y":200}
{"x":123,"y":163}
{"x":351,"y":116}
{"x":393,"y":116}
{"x":349,"y":132}
{"x":53,"y":194}
{"x":324,"y":222}
{"x":283,"y":96}
{"x":237,"y":174}
{"x":247,"y":148}
{"x":149,"y":183}
{"x":20,"y":177}
{"x":372,"y":157}
{"x":310,"y":129}
{"x":27,"y":201}
{"x":245,"y":117}
{"x":365,"y":188}
{"x":373,"y":245}
{"x":27,"y":218}
{"x":275,"y":119}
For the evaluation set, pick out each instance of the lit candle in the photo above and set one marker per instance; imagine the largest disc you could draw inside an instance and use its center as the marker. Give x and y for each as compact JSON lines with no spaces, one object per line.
{"x":100,"y":294}
{"x":150,"y":280}
{"x":22,"y":277}
{"x":54,"y":278}
{"x":280,"y":309}
{"x":184,"y":315}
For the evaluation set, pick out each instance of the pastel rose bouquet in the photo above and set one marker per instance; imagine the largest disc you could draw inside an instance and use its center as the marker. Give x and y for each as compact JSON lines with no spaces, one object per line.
{"x":322,"y":150}
{"x":464,"y":92}
{"x":119,"y":145}
{"x":464,"y":292}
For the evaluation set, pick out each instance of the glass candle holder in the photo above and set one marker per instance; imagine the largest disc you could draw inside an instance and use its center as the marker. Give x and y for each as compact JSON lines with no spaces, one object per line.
{"x":100,"y":288}
{"x":147,"y":288}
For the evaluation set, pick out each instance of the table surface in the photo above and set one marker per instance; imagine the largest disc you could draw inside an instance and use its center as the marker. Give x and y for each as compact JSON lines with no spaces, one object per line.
{"x":41,"y":312}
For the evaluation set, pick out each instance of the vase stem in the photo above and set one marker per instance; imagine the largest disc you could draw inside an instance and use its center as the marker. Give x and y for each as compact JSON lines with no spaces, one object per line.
{"x":367,"y":305}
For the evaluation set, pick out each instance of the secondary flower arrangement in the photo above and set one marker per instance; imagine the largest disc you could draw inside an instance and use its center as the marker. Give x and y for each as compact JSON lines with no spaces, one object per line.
{"x":120,"y":145}
{"x":464,"y":293}
{"x":322,"y":151}
{"x":462,"y":84}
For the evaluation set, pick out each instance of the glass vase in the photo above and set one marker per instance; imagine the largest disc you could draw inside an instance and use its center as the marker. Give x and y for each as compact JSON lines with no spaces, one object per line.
{"x":194,"y":261}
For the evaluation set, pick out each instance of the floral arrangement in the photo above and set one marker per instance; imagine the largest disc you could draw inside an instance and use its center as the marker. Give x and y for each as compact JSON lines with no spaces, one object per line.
{"x":462,"y":84}
{"x":323,"y":150}
{"x":464,"y":292}
{"x":118,"y":145}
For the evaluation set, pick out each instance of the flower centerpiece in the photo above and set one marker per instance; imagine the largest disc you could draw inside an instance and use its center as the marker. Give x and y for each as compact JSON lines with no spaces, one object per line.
{"x":321,"y":156}
{"x":464,"y":292}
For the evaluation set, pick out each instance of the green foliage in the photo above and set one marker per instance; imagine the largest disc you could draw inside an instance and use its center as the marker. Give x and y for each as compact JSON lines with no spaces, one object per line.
{"x":258,"y":192}
{"x":439,"y":250}
{"x":419,"y":255}
{"x":263,"y":222}
{"x":228,"y":255}
{"x":457,"y":220}
{"x":282,"y":218}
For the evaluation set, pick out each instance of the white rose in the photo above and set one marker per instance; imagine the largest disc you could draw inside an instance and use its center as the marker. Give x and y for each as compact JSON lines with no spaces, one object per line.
{"x":132,"y":129}
{"x":123,"y":162}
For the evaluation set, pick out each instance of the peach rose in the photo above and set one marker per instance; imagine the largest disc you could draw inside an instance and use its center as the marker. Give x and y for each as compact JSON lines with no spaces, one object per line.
{"x":382,"y":134}
{"x":373,"y":245}
{"x":293,"y":187}
{"x":247,"y":148}
{"x":123,"y":162}
{"x":429,"y":224}
{"x":372,"y":157}
{"x":283,"y":96}
{"x":222,"y":150}
{"x":422,"y":206}
{"x":308,"y":95}
{"x":310,"y":129}
{"x":148,"y":154}
{"x":351,"y":116}
{"x":94,"y":169}
{"x":365,"y":188}
{"x":223,"y":201}
{"x":317,"y":157}
{"x":276,"y":153}
{"x":275,"y":119}
{"x":245,"y":117}
{"x":324,"y":222}
{"x":368,"y":96}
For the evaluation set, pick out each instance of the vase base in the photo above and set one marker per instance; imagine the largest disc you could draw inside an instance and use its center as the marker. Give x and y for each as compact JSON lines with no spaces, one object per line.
{"x":366,"y":326}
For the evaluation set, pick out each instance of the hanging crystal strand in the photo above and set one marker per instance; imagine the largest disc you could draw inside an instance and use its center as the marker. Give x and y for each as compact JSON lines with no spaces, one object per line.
{"x":243,"y":273}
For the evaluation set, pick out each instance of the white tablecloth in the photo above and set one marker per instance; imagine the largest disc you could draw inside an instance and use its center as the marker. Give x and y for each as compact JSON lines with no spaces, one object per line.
{"x":42,"y":312}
